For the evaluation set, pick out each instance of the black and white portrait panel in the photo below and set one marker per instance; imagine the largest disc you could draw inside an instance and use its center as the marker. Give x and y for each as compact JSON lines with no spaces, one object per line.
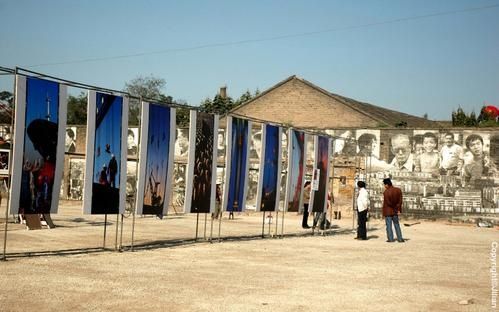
{"x":133,"y":142}
{"x":70,"y":142}
{"x":182,"y":143}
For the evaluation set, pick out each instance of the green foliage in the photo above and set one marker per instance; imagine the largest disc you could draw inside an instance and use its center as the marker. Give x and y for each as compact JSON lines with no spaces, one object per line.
{"x":401,"y":124}
{"x":7,"y":97}
{"x":77,"y":109}
{"x":222,"y":106}
{"x":218,"y":105}
{"x":149,"y":88}
{"x":182,"y":117}
{"x":461,"y":119}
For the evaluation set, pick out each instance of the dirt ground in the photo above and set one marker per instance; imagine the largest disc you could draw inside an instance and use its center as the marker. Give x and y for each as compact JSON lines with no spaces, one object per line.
{"x":66,"y":268}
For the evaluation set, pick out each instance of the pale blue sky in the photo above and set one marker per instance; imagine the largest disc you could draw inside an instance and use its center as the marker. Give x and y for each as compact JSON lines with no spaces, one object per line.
{"x":426,"y":65}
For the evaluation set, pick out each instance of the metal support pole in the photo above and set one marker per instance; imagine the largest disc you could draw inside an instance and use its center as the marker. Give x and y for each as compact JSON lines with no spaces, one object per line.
{"x":270,"y":218}
{"x":4,"y":258}
{"x":133,"y":229}
{"x":205,"y":222}
{"x":105,"y":229}
{"x":263,"y":224}
{"x":197,"y":226}
{"x":220,"y":226}
{"x":282,"y":227}
{"x":276,"y":223}
{"x":211,"y":228}
{"x":116,"y":236}
{"x":121,"y":233}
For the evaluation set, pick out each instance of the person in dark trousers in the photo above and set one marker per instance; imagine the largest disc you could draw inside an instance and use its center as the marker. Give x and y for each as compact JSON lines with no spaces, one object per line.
{"x":362,"y":209}
{"x":392,"y":207}
{"x":306,"y":199}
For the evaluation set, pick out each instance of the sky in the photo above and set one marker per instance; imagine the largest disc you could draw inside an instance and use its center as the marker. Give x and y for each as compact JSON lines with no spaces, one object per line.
{"x":158,"y":150}
{"x":418,"y":57}
{"x":108,"y":133}
{"x":38,"y":91}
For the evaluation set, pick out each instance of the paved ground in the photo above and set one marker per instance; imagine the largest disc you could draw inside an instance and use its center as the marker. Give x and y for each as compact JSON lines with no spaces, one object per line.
{"x":66,"y":268}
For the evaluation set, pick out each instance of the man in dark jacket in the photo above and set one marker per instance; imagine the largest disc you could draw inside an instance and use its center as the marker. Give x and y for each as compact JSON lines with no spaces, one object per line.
{"x":392,"y":207}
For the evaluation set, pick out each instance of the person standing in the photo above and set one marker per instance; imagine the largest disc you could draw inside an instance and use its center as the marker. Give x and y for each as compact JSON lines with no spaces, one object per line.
{"x":362,"y":209}
{"x":451,"y":156}
{"x":306,"y":199}
{"x":392,"y":207}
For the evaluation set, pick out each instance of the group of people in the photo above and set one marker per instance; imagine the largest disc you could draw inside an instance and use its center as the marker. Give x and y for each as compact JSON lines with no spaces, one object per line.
{"x":107,"y":175}
{"x":450,"y":160}
{"x":392,"y":208}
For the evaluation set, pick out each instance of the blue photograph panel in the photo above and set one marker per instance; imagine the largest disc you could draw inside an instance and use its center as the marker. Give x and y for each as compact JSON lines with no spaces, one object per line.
{"x":238,"y":163}
{"x":158,"y":145}
{"x":107,"y":154}
{"x":203,"y":163}
{"x":322,"y":165}
{"x":296,"y":171}
{"x":270,"y":167}
{"x":40,"y":146}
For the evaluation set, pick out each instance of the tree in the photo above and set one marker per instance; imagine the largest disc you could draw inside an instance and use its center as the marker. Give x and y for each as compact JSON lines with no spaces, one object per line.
{"x":6,"y":105}
{"x":459,"y":118}
{"x":222,"y":106}
{"x":149,"y":88}
{"x":219,"y":105}
{"x":7,"y":97}
{"x":77,"y":109}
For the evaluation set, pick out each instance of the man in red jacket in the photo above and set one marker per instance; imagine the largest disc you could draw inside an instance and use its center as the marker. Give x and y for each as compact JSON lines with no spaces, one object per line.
{"x":392,"y":207}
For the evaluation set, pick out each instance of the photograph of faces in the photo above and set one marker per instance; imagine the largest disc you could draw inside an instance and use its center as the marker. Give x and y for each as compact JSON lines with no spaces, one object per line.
{"x":201,"y":170}
{"x":38,"y":157}
{"x":132,"y":142}
{"x":426,"y":152}
{"x":70,"y":143}
{"x":296,"y":164}
{"x":321,"y":165}
{"x":477,"y":163}
{"x":4,"y":161}
{"x":105,"y":176}
{"x":402,"y":157}
{"x":76,"y":178}
{"x":344,"y":143}
{"x":255,"y":146}
{"x":182,"y":144}
{"x":236,"y":173}
{"x":156,"y":159}
{"x":270,"y":169}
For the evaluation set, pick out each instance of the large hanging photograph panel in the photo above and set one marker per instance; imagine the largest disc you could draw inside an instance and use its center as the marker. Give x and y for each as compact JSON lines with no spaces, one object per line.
{"x":321,"y":173}
{"x":296,"y":170}
{"x":105,"y":178}
{"x":156,"y":159}
{"x":236,"y":164}
{"x":270,"y":169}
{"x":202,"y":166}
{"x":38,"y":145}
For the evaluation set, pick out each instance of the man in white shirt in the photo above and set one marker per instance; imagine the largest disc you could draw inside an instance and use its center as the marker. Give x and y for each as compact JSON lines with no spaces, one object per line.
{"x":451,"y":154}
{"x":362,"y":208}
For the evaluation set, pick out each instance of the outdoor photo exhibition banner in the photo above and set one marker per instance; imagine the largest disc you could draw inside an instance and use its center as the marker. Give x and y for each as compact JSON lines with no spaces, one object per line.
{"x":320,"y":181}
{"x":296,"y":170}
{"x":269,"y":179}
{"x":202,"y":163}
{"x":38,"y":157}
{"x":236,"y":164}
{"x":105,"y":174}
{"x":156,"y":159}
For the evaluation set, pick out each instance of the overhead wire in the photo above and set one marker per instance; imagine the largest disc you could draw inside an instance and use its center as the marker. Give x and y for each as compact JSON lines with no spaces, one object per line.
{"x":272,"y":38}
